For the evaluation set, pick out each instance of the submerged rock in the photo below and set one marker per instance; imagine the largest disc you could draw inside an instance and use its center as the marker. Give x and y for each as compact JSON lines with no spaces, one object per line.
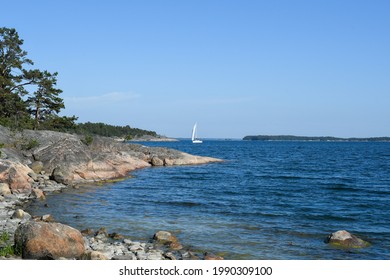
{"x":167,"y":238}
{"x":212,"y":257}
{"x":344,"y":239}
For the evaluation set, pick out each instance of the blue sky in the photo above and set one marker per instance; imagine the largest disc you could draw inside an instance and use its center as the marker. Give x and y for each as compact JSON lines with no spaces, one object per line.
{"x":238,"y":68}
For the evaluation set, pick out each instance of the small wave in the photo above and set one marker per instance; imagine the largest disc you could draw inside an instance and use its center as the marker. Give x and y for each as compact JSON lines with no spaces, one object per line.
{"x":281,"y":177}
{"x":324,"y":217}
{"x":182,"y":203}
{"x":341,"y":187}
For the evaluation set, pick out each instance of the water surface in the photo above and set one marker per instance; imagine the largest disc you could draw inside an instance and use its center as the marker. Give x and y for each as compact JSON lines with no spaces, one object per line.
{"x":267,"y":200}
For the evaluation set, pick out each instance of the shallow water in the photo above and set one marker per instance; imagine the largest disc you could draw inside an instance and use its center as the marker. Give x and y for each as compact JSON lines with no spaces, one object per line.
{"x":267,"y":200}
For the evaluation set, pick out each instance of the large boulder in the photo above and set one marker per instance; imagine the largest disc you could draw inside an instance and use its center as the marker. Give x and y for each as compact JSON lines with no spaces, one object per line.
{"x":62,"y":175}
{"x":157,"y":161}
{"x":15,"y":174}
{"x":344,"y":239}
{"x":40,"y":240}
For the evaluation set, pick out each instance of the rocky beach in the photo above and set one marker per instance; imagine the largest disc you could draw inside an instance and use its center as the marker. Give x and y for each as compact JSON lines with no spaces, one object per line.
{"x":35,"y":163}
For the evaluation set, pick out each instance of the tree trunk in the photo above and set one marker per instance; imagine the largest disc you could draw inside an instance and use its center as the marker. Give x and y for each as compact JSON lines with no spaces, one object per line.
{"x":36,"y":123}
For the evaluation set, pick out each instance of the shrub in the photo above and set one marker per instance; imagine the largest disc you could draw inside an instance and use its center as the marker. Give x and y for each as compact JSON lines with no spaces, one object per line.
{"x":5,"y":249}
{"x":30,"y":144}
{"x":88,"y":139}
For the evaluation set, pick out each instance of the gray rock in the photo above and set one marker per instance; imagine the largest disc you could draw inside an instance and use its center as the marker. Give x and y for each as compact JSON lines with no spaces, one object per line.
{"x":129,"y":256}
{"x":156,"y":161}
{"x":48,"y":218}
{"x":3,"y":155}
{"x":18,"y":214}
{"x":141,"y":255}
{"x":167,"y":238}
{"x":61,"y":175}
{"x":163,"y":237}
{"x":154,"y":255}
{"x":136,"y":247}
{"x":33,"y":176}
{"x":168,"y":162}
{"x":38,"y":194}
{"x":344,"y":239}
{"x":37,"y":166}
{"x":4,"y":189}
{"x":95,"y":255}
{"x":127,"y":241}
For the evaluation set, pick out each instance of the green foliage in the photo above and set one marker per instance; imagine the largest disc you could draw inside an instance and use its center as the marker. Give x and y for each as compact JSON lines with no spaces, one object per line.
{"x":62,"y":124}
{"x":45,"y":101}
{"x":111,"y":130}
{"x":88,"y":139}
{"x":29,"y":144}
{"x":6,"y":249}
{"x":28,"y":97}
{"x":4,"y":237}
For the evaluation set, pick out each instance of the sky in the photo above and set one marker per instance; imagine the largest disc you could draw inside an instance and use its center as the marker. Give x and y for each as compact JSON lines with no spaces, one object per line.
{"x":237,"y":68}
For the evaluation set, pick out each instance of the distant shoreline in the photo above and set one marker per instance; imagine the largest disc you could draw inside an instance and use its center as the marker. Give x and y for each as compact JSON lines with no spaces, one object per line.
{"x":313,"y":138}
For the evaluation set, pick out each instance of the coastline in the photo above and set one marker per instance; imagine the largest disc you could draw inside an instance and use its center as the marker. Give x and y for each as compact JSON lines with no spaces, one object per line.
{"x":59,"y":161}
{"x":98,"y":243}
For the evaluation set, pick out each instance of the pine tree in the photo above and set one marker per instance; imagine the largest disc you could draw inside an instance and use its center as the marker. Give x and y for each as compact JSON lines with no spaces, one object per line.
{"x":45,"y":101}
{"x":12,"y":75}
{"x":17,"y":80}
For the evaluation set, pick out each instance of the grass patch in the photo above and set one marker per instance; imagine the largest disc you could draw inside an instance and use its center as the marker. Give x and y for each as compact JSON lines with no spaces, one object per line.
{"x":6,"y":249}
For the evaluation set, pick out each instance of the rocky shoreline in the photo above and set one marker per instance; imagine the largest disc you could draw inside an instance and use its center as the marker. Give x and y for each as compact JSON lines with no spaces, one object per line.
{"x":35,"y":163}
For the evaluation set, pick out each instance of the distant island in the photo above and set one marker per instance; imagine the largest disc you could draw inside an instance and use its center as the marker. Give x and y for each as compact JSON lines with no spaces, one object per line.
{"x":314,"y":138}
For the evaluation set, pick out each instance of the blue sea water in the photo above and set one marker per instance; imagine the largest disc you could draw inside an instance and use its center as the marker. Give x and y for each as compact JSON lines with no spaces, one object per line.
{"x":267,"y":200}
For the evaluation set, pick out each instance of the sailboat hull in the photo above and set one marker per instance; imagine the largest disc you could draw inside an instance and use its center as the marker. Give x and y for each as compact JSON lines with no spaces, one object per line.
{"x":197,"y":141}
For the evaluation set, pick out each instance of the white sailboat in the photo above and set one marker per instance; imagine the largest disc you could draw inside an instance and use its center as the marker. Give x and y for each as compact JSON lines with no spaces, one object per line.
{"x":194,"y":138}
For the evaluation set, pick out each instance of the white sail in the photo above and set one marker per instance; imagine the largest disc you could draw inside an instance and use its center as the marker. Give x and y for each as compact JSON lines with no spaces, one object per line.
{"x":194,"y":135}
{"x":193,"y":132}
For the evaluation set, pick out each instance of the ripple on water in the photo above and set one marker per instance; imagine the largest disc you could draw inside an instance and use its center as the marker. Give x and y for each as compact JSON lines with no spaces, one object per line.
{"x":268,"y":200}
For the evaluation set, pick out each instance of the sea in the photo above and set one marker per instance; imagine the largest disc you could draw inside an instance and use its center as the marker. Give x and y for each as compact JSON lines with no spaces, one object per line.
{"x":267,"y":200}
